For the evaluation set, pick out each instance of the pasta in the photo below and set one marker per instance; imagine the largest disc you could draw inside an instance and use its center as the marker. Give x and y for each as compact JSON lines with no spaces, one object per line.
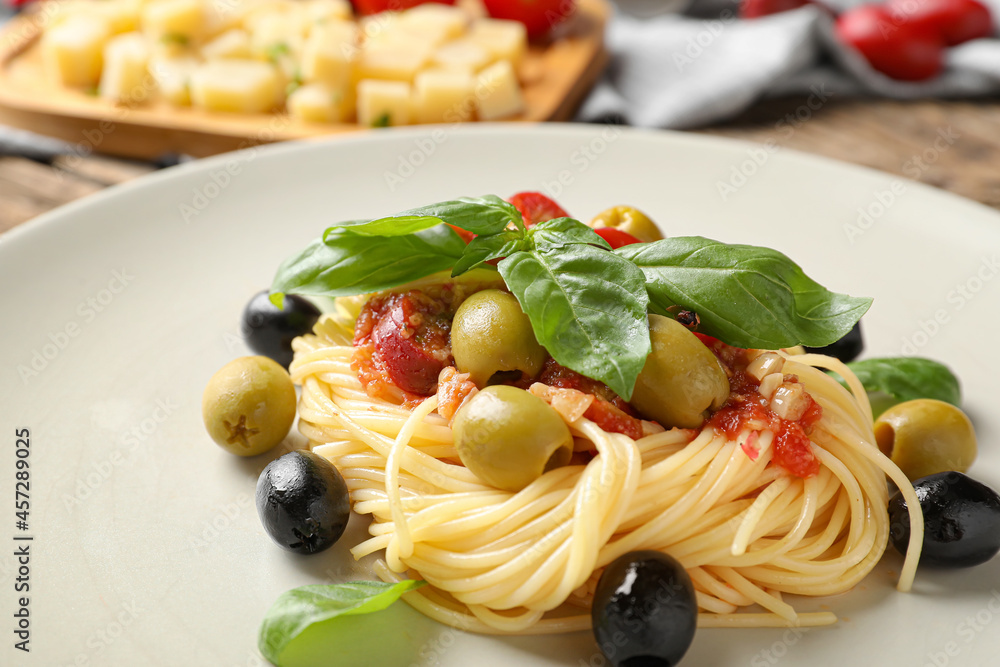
{"x":528,"y":562}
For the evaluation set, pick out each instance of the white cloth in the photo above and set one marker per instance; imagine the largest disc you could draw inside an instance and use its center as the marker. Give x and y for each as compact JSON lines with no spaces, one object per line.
{"x":675,"y":71}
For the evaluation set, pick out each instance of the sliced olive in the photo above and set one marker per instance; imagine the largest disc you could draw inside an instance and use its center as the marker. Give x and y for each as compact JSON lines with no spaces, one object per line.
{"x":630,"y":220}
{"x":303,"y":502}
{"x":644,"y":610}
{"x":961,"y":520}
{"x":509,"y":438}
{"x":269,"y":330}
{"x":249,"y":405}
{"x":926,"y":436}
{"x":491,"y":334}
{"x":682,"y":379}
{"x":847,"y":348}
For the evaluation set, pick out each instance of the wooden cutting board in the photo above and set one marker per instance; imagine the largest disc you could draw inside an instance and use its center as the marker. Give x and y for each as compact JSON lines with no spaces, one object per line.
{"x":555,"y":77}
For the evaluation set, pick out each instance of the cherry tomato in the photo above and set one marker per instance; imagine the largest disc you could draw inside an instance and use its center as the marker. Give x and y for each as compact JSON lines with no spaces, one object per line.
{"x":752,"y":9}
{"x":538,"y":16}
{"x":616,"y":238}
{"x":901,"y":50}
{"x":536,"y":207}
{"x":376,"y":6}
{"x":410,"y":363}
{"x":956,"y":20}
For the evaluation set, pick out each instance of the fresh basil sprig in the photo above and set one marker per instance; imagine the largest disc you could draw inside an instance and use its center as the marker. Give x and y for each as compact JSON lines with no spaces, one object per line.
{"x":588,"y":305}
{"x":343,"y":263}
{"x":892,"y":380}
{"x":746,"y":296}
{"x":296,"y":610}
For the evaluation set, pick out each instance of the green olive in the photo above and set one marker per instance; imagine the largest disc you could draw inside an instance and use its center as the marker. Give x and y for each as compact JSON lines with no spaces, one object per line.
{"x":924,"y":437}
{"x":628,"y":219}
{"x":508,"y":437}
{"x":249,"y":405}
{"x":682,"y":379}
{"x":490,"y":334}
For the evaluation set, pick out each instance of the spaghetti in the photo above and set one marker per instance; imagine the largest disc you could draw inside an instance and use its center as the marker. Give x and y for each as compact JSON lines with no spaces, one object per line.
{"x":498,"y":562}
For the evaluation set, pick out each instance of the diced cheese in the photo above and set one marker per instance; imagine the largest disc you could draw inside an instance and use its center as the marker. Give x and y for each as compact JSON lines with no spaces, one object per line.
{"x":246,"y":86}
{"x":125,"y":75}
{"x":233,"y":43}
{"x":330,"y":53}
{"x":436,"y":19}
{"x":462,"y":54}
{"x":497,"y":92}
{"x":173,"y":78}
{"x":122,"y":15}
{"x":319,"y":103}
{"x":504,"y":40}
{"x":397,"y":61}
{"x":320,"y":12}
{"x":383,"y":103}
{"x":73,"y":51}
{"x":443,"y":96}
{"x":277,"y":33}
{"x":181,"y":21}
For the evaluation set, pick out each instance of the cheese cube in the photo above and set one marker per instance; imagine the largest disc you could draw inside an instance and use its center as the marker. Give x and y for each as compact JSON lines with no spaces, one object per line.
{"x":246,"y":86}
{"x":462,"y":54}
{"x":442,"y":96}
{"x":73,"y":51}
{"x":124,"y":77}
{"x":436,"y":19}
{"x":122,"y":15}
{"x":397,"y":62}
{"x":173,"y":78}
{"x":504,"y":40}
{"x":222,"y":16}
{"x":180,"y":21}
{"x":276,"y":33}
{"x":329,"y":53}
{"x":233,"y":43}
{"x":383,"y":103}
{"x":319,"y":103}
{"x":497,"y":92}
{"x":321,"y":12}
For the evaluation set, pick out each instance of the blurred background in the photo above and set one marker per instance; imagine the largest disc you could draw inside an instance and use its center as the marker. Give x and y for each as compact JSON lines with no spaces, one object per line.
{"x":908,"y":87}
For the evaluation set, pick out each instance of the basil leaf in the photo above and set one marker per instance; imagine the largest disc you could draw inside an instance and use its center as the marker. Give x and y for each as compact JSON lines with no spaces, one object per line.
{"x":484,"y":248}
{"x":297,"y":609}
{"x":348,"y":263}
{"x":746,"y":296}
{"x":906,"y":379}
{"x":479,"y":215}
{"x":559,"y":232}
{"x":397,"y":225}
{"x":588,"y":308}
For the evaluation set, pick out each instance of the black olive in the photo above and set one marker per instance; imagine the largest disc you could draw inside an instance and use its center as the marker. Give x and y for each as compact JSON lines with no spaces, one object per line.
{"x":303,"y":502}
{"x":269,"y":330}
{"x":644,"y":611}
{"x":961,"y":520}
{"x":847,"y":348}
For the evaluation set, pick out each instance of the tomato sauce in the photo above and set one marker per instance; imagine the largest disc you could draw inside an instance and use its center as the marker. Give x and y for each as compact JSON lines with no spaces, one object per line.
{"x":402,"y":343}
{"x":609,"y":410}
{"x":746,"y":408}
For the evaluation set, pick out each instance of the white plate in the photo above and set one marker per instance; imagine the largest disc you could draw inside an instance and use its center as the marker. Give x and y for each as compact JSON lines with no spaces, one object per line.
{"x":147,"y":548}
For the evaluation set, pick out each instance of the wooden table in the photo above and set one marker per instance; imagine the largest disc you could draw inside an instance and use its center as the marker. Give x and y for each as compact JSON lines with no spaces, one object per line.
{"x":950,"y":145}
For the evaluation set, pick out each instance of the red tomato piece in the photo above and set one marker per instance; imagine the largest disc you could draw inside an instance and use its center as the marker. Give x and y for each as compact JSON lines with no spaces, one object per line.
{"x":538,"y":16}
{"x":376,"y":6}
{"x":407,"y":349}
{"x":752,"y":9}
{"x":956,"y":20}
{"x":904,"y":51}
{"x":616,"y":238}
{"x":536,"y":207}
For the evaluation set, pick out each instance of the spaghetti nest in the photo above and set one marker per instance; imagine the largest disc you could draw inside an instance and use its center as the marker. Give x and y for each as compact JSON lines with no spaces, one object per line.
{"x":528,"y":562}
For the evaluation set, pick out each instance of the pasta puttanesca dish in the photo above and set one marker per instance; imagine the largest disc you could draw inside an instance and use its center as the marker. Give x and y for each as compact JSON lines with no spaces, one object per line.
{"x":747,"y":529}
